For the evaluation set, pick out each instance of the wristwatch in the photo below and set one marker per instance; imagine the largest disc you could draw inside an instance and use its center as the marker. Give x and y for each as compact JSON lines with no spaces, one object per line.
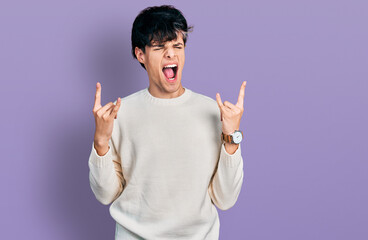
{"x":236,"y":137}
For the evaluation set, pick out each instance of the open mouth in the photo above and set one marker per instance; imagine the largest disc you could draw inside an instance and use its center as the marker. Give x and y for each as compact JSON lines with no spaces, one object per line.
{"x":170,"y":71}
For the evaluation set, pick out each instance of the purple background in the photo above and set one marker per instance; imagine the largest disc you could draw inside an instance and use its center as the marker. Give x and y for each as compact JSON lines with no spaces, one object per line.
{"x":305,"y":153}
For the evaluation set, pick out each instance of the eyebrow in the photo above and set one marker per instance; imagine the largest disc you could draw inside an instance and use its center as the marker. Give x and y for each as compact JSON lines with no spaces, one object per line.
{"x":162,"y":45}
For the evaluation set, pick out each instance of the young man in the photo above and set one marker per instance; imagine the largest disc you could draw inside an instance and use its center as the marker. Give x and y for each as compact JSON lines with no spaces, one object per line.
{"x":165,"y":156}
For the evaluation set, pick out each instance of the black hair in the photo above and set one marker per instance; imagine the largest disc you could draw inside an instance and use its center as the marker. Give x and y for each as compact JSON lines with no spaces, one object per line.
{"x":158,"y":23}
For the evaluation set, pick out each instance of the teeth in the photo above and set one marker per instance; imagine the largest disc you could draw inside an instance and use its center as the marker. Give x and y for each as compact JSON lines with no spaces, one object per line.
{"x":171,"y":78}
{"x":170,"y":66}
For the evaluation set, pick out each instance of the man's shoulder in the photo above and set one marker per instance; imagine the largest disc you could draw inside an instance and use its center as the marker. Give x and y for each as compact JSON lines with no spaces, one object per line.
{"x":131,"y":98}
{"x":205,"y":104}
{"x":203,"y":99}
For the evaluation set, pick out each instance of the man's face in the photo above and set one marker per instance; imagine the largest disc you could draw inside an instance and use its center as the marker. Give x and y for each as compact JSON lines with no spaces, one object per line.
{"x":164,"y":63}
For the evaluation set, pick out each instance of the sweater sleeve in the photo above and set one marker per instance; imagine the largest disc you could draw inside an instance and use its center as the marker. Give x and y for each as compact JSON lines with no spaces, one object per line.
{"x":105,"y":175}
{"x":227,"y":180}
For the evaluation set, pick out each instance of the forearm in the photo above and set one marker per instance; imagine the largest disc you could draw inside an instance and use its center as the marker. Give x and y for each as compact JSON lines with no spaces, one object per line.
{"x":227,"y":181}
{"x":101,"y":147}
{"x":231,"y":147}
{"x":103,"y":176}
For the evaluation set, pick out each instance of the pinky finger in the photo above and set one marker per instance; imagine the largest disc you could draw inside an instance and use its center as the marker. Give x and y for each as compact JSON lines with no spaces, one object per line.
{"x":115,"y":110}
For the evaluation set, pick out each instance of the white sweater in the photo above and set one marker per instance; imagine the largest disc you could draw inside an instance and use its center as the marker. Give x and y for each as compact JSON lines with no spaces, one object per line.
{"x":166,"y":167}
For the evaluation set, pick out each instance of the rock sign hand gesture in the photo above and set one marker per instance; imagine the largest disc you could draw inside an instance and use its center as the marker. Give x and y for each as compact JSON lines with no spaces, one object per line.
{"x":104,"y":119}
{"x":230,"y":113}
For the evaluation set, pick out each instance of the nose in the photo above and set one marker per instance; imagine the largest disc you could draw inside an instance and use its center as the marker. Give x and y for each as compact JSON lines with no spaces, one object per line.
{"x":170,"y":53}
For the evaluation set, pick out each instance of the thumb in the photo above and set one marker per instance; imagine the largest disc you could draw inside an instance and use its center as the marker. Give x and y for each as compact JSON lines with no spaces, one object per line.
{"x":116,"y":108}
{"x":219,"y":102}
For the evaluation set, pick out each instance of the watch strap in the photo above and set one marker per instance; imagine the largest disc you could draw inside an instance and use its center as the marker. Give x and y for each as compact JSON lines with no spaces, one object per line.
{"x":229,"y":138}
{"x":226,"y":138}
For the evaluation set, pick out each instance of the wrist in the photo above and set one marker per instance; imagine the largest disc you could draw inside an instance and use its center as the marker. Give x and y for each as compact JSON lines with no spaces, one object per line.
{"x":101,"y":147}
{"x":100,"y":142}
{"x":231,"y":147}
{"x":232,"y":138}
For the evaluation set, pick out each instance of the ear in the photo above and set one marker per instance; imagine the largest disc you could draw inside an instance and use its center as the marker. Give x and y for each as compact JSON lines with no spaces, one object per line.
{"x":139,"y":54}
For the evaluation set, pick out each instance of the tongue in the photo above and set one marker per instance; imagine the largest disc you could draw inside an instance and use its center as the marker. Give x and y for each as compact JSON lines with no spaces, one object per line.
{"x":169,"y":73}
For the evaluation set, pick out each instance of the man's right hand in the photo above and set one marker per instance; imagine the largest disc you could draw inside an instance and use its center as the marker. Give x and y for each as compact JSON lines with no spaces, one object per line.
{"x":104,"y":119}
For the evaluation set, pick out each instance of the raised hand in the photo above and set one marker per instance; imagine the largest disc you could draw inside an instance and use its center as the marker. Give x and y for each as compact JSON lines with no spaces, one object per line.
{"x":231,"y":114}
{"x":104,"y":119}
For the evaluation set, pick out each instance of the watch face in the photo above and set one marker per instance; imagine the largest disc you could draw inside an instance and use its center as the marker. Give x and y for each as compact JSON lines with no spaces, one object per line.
{"x":237,"y":137}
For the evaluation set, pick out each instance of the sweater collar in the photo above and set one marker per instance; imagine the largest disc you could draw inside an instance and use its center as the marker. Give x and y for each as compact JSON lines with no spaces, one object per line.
{"x":167,"y":101}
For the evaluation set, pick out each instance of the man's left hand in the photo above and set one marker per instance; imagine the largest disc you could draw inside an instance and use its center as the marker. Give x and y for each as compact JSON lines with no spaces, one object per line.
{"x":231,"y":114}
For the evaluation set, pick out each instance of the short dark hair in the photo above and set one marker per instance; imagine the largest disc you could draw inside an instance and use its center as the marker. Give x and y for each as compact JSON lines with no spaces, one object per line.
{"x":158,"y":23}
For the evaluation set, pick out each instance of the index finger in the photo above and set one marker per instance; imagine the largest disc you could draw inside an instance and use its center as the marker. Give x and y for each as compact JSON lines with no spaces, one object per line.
{"x":241,"y":95}
{"x":97,"y":96}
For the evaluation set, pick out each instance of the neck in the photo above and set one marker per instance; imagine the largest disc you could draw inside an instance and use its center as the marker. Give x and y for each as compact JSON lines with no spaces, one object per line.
{"x":161,"y":94}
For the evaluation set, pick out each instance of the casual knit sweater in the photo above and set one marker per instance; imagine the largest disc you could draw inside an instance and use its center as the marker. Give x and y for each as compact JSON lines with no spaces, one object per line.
{"x":166,"y":168}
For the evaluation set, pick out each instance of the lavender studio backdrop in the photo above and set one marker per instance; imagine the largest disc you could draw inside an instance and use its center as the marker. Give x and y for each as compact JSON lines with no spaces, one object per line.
{"x":305,"y":153}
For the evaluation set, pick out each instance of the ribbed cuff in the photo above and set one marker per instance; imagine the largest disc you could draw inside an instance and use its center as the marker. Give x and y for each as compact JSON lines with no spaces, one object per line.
{"x":100,"y":161}
{"x":230,"y":160}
